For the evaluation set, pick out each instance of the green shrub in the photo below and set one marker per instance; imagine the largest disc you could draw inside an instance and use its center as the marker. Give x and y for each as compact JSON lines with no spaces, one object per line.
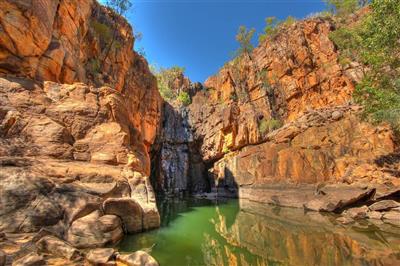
{"x":226,"y":150}
{"x":344,"y":7}
{"x":374,"y":42}
{"x":347,"y":40}
{"x":273,"y":25}
{"x":94,"y":65}
{"x":165,"y":78}
{"x":165,"y":91}
{"x":102,"y":30}
{"x":233,"y":97}
{"x":270,"y":29}
{"x":380,"y":104}
{"x":288,"y":21}
{"x":117,"y":45}
{"x":184,"y":98}
{"x":265,"y":126}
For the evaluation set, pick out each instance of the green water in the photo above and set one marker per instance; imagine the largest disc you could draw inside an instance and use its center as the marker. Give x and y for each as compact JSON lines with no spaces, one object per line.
{"x":202,"y":232}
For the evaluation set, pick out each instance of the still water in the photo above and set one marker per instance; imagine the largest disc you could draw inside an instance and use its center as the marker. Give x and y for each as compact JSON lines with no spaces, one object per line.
{"x":203,"y":232}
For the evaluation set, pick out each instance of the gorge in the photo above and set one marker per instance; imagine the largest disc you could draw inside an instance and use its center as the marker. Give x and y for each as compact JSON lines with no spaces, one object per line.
{"x":90,"y":151}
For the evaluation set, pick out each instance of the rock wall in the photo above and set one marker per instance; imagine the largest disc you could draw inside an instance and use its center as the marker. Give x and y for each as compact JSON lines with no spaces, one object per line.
{"x":79,"y":113}
{"x":69,"y":41}
{"x":295,"y":71}
{"x":326,"y":154}
{"x":279,"y":124}
{"x":178,"y":167}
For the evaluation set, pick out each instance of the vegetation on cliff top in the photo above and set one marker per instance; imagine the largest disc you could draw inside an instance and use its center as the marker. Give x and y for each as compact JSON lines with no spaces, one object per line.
{"x":165,"y":81}
{"x":272,"y":27}
{"x":374,"y":42}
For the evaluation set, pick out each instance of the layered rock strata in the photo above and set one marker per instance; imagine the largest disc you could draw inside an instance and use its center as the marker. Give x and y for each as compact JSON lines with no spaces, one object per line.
{"x":294,"y":72}
{"x":79,"y":112}
{"x":279,"y":126}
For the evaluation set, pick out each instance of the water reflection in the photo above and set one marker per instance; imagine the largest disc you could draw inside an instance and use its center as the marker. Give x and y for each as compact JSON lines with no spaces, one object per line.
{"x":205,"y":233}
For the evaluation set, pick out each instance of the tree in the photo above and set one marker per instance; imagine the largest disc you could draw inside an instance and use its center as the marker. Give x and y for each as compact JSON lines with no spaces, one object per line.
{"x":244,"y":37}
{"x":374,"y":41}
{"x":120,"y":7}
{"x":270,"y":25}
{"x":344,"y":7}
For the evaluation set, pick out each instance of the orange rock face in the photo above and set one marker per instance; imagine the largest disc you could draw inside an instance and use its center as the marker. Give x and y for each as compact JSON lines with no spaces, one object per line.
{"x":314,"y":149}
{"x":296,"y":71}
{"x":67,"y":41}
{"x":302,"y":63}
{"x":276,"y":124}
{"x":76,"y":122}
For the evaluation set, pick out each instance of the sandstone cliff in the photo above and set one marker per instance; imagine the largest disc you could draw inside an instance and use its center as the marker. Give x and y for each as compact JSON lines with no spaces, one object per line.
{"x":279,"y":126}
{"x":284,"y":77}
{"x":78,"y":116}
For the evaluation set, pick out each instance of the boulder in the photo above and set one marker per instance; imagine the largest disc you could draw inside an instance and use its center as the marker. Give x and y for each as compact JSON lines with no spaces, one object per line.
{"x":336,"y":115}
{"x":100,"y":256}
{"x":129,"y":210}
{"x":357,"y":213}
{"x":58,"y":248}
{"x":336,"y":198}
{"x":138,"y":258}
{"x":384,"y":205}
{"x":95,"y":230}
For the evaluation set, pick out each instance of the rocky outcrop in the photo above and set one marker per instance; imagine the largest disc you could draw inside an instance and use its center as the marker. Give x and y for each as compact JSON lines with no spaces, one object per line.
{"x":319,"y":162}
{"x":79,"y":113}
{"x":278,"y":126}
{"x":295,"y":71}
{"x":65,"y":149}
{"x":137,"y":258}
{"x":72,"y":41}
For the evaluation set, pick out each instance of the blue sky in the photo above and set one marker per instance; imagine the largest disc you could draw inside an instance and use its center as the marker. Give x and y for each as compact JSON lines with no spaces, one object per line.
{"x":200,"y":35}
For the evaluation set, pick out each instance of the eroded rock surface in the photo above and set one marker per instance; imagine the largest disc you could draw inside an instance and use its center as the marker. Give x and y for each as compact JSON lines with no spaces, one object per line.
{"x":278,"y":126}
{"x":79,"y":113}
{"x":316,"y":161}
{"x":280,"y":80}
